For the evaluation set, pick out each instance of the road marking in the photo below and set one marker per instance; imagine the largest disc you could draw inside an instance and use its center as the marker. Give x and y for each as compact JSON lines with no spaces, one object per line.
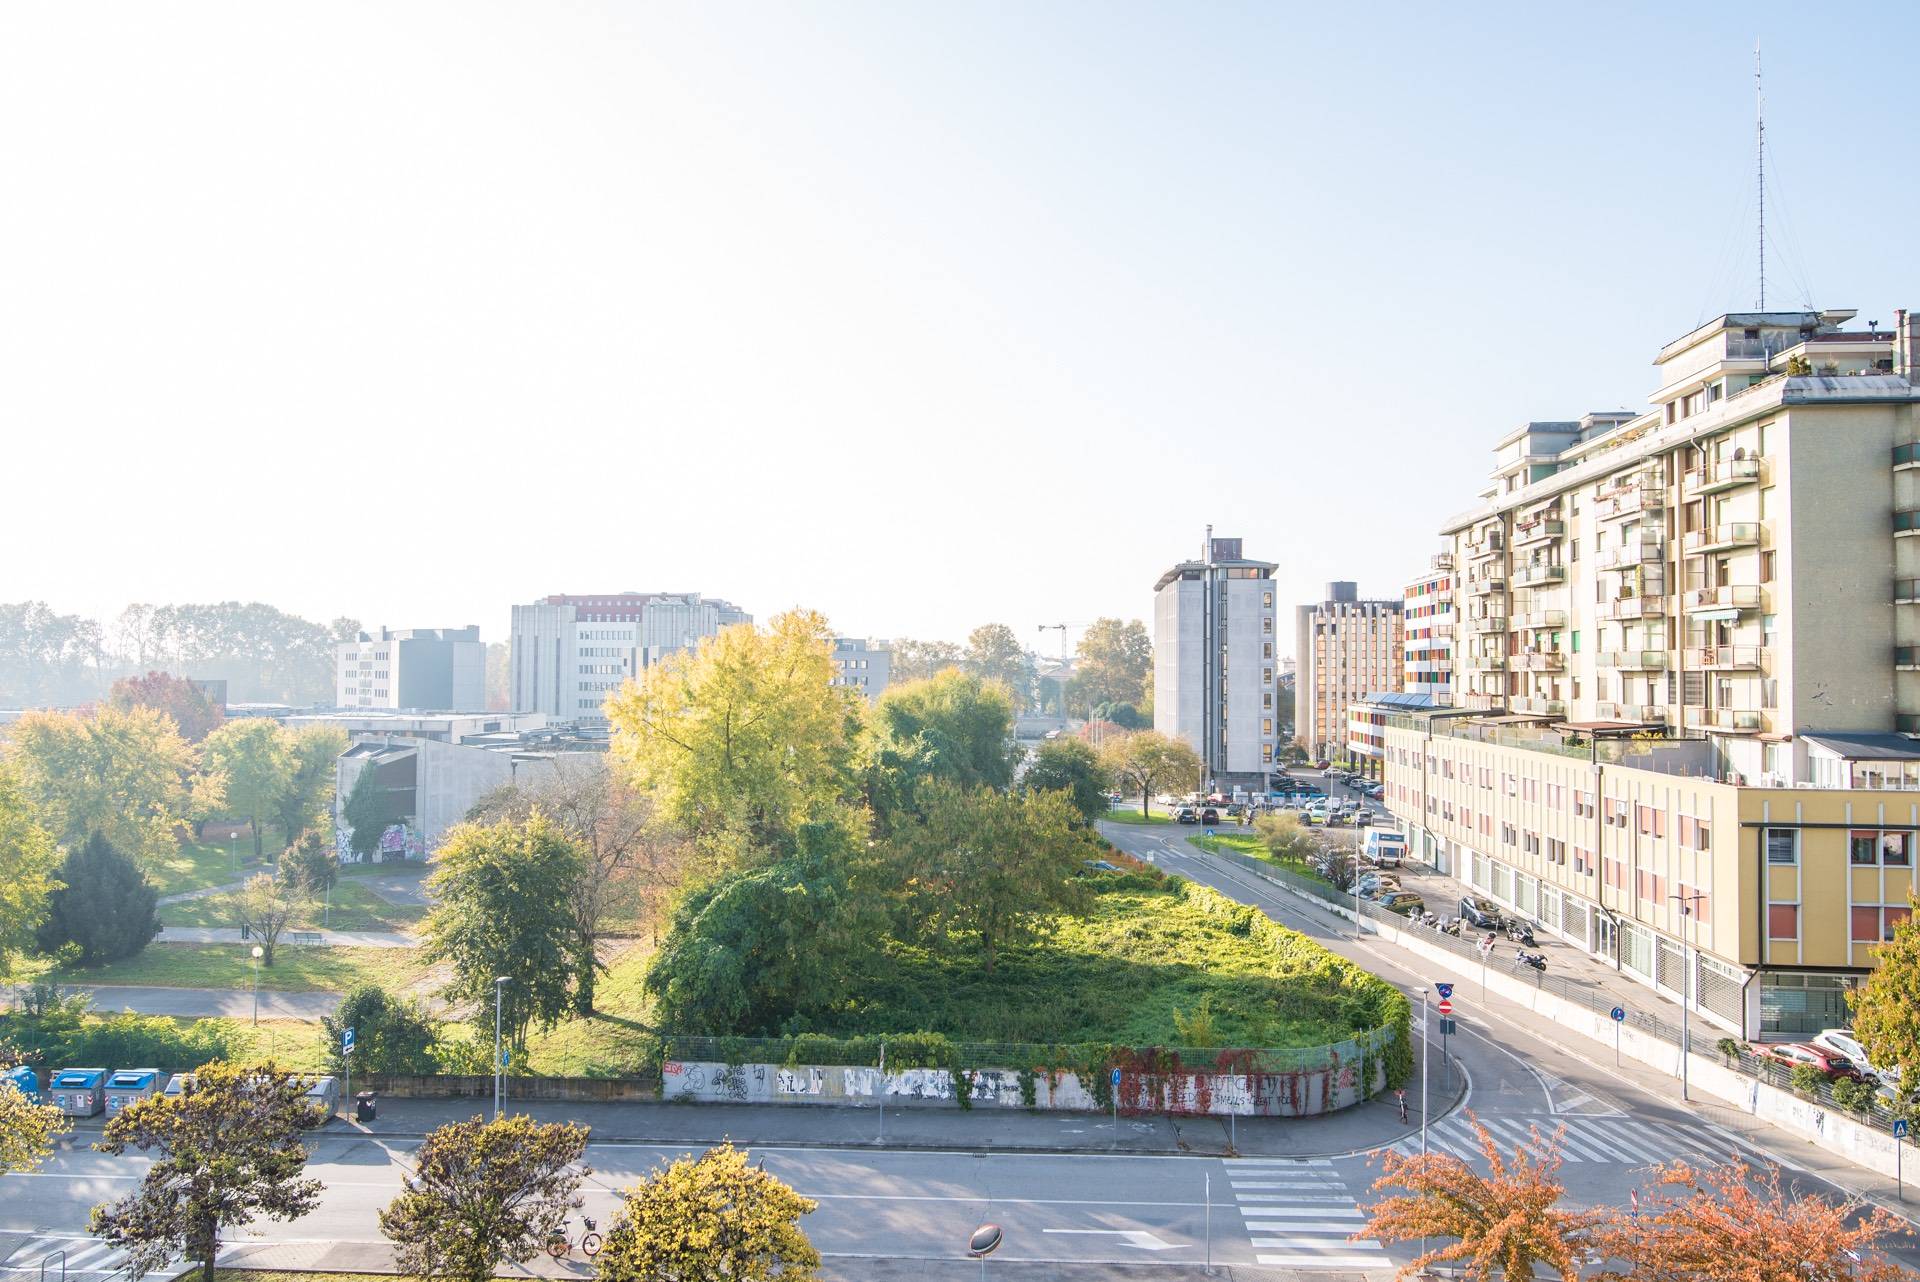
{"x":1303,"y":1213}
{"x":1139,"y":1238}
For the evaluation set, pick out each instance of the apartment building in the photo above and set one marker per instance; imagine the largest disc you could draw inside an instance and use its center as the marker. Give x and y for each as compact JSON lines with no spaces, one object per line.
{"x":863,"y":665}
{"x":428,"y":669}
{"x":569,"y":653}
{"x":1345,"y":648}
{"x":1688,"y":665}
{"x":1213,"y":662}
{"x":1426,"y":614}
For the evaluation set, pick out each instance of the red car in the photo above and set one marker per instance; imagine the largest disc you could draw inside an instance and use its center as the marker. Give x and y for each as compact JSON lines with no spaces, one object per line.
{"x":1791,"y":1055}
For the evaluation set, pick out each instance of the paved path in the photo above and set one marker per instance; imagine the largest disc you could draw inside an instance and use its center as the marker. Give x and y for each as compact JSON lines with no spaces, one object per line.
{"x":407,"y":889}
{"x":203,"y":1003}
{"x":332,"y":938}
{"x":205,"y":892}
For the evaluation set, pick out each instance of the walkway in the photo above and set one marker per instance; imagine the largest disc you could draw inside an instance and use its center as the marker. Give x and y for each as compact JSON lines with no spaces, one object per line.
{"x":207,"y":1003}
{"x":330,"y":938}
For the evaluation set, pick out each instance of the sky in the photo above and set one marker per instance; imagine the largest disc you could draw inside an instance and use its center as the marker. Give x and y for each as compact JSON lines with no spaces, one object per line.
{"x":921,"y":315}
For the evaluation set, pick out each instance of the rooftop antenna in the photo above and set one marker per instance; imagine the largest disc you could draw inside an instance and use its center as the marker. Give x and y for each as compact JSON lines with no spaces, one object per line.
{"x":1760,"y":166}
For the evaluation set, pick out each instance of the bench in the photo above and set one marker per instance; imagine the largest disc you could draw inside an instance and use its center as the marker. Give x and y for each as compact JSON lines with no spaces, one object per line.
{"x":304,"y":937}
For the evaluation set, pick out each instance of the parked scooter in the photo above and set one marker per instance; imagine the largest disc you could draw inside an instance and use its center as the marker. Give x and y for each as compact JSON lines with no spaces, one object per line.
{"x":1453,"y":926}
{"x":1520,"y":931}
{"x":1536,"y":960}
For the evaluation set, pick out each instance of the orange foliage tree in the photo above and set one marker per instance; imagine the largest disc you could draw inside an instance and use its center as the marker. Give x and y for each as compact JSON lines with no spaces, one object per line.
{"x":1724,"y":1224}
{"x":1504,"y":1224}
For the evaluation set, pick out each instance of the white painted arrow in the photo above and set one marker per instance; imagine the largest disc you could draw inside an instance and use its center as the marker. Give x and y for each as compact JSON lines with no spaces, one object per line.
{"x":1129,"y":1237}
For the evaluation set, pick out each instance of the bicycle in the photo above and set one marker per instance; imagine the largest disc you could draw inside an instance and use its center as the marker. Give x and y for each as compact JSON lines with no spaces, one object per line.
{"x":558,"y":1244}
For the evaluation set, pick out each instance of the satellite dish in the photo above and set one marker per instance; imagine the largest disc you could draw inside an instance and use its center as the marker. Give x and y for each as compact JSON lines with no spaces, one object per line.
{"x":984,"y":1242}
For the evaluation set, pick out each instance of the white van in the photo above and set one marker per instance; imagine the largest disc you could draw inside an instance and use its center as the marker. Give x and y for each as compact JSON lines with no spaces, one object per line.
{"x":1384,"y":848}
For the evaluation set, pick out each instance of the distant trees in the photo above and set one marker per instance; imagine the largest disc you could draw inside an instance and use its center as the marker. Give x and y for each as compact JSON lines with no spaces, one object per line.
{"x":125,"y":773}
{"x":307,"y":799}
{"x":267,"y":905}
{"x":1147,"y":762}
{"x":257,"y":763}
{"x":918,"y":660}
{"x":193,"y":713}
{"x":28,"y":858}
{"x":954,"y":726}
{"x":1073,"y":768}
{"x":264,"y":654}
{"x":713,"y":1218}
{"x":104,"y":906}
{"x":1115,"y":662}
{"x":48,"y":658}
{"x":994,"y":653}
{"x":390,"y":1034}
{"x":485,"y":1194}
{"x":1285,"y":837}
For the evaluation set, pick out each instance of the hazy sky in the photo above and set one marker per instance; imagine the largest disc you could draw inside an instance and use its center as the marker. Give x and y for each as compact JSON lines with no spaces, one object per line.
{"x":920,"y":314}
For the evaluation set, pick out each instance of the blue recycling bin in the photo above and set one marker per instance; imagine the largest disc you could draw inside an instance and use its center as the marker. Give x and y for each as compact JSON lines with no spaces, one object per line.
{"x":78,"y":1092}
{"x":128,"y":1086}
{"x":25,"y":1080}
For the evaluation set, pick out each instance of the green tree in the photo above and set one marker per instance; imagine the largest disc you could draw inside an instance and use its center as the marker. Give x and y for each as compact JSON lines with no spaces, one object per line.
{"x":28,"y":858}
{"x":26,"y":1130}
{"x":255,"y":759}
{"x":994,"y":653}
{"x":918,"y":660}
{"x":1886,"y":1007}
{"x":368,"y":811}
{"x":713,"y":1218}
{"x":307,"y":799}
{"x":745,"y":738}
{"x":754,"y":947}
{"x":1285,"y":837}
{"x":104,"y":907}
{"x":485,"y":1194}
{"x":1147,"y":762}
{"x":126,"y":773}
{"x":194,"y":714}
{"x":1115,"y":660}
{"x":311,"y":863}
{"x":986,"y":866}
{"x":953,"y":726}
{"x":502,"y":907}
{"x":1070,"y":767}
{"x":267,"y":905}
{"x":390,"y":1034}
{"x":227,"y":1149}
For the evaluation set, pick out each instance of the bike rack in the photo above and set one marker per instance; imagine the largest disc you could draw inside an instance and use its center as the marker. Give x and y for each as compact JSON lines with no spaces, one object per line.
{"x":63,"y":1265}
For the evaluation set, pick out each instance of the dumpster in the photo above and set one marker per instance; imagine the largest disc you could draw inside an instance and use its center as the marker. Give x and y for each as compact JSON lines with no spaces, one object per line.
{"x":24,"y":1081}
{"x":131,"y":1085}
{"x":179,"y":1084}
{"x":324,"y":1094}
{"x":78,"y":1092}
{"x":365,"y":1107}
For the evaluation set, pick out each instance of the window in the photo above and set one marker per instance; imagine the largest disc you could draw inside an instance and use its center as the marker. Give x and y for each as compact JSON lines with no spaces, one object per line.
{"x":1583,"y":804}
{"x":1783,"y":921}
{"x":1783,"y":847}
{"x":1582,"y":860}
{"x":1556,"y":851}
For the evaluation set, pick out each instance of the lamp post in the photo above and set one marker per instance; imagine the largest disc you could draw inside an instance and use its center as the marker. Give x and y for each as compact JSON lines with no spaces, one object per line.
{"x":1423,"y":1069}
{"x":1686,"y":980}
{"x":258,"y":953}
{"x":499,"y":987}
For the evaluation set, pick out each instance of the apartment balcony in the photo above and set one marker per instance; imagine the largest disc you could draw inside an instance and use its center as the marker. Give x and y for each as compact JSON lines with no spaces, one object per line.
{"x":1906,"y":658}
{"x":1540,"y":706}
{"x":1730,"y":721}
{"x":1906,"y":591}
{"x":1491,"y":662}
{"x":1540,"y":572}
{"x":1727,"y":475}
{"x":1626,"y":608}
{"x":1721,"y":538}
{"x":1906,"y":520}
{"x":1488,"y":623}
{"x":1539,"y":530}
{"x":1443,"y":561}
{"x":1642,"y":493}
{"x":1442,"y":632}
{"x":1645,"y":712}
{"x":1736,"y":597}
{"x":1727,"y":658}
{"x":1906,"y":456}
{"x":1631,"y":556}
{"x":1540,"y":619}
{"x":1483,"y":701}
{"x":1541,"y":661}
{"x":1481,"y":587}
{"x":1632,"y":660}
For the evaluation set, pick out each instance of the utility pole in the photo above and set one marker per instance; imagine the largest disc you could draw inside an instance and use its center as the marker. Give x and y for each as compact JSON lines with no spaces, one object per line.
{"x":1760,"y":168}
{"x":1686,"y":981}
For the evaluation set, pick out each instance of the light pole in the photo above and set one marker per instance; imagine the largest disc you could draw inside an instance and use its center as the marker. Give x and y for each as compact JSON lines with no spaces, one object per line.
{"x":1423,"y":1070}
{"x":499,"y":987}
{"x":1686,"y":980}
{"x":258,"y":953}
{"x":233,"y":860}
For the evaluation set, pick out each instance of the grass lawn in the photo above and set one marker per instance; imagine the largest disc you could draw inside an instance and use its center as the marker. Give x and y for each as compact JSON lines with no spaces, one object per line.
{"x":195,"y":866}
{"x":294,"y":969}
{"x":1135,"y":817}
{"x":1149,"y":946}
{"x":354,"y":908}
{"x":1246,"y":843}
{"x":612,"y":1042}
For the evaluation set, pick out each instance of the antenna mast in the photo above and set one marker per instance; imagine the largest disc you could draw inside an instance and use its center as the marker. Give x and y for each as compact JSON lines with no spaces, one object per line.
{"x":1760,"y":167}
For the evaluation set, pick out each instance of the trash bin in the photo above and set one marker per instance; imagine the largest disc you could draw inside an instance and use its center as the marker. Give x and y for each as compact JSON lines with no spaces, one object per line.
{"x":364,"y":1107}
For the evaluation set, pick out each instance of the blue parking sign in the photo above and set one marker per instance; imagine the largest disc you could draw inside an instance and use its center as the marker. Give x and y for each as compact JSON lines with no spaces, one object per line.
{"x":346,"y":1041}
{"x":1619,"y":1013}
{"x":1445,"y":990}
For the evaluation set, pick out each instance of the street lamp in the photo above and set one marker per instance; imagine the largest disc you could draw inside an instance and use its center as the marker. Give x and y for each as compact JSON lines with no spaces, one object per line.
{"x":258,"y":953}
{"x":1686,"y":981}
{"x":499,"y":987}
{"x":1423,"y":1069}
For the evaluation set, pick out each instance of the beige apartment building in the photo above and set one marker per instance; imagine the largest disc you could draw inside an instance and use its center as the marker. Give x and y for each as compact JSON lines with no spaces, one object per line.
{"x":1731,"y":581}
{"x":1345,"y":648}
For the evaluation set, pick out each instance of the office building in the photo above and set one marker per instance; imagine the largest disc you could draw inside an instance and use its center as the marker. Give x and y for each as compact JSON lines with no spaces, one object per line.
{"x":569,"y":653}
{"x":1214,"y":663}
{"x":1688,"y":672}
{"x":427,"y":669}
{"x":1345,"y":647}
{"x":862,"y":665}
{"x":1426,"y":614}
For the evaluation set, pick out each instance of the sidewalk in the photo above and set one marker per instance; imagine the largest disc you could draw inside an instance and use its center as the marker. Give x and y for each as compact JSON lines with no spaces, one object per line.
{"x":331,"y":938}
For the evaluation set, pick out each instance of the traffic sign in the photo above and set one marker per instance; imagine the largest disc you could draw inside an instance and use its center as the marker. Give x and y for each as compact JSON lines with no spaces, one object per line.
{"x":1445,"y":1007}
{"x":1899,"y":1128}
{"x":346,"y":1041}
{"x":1619,"y":1013}
{"x":1445,"y":990}
{"x":1116,"y":1077}
{"x":506,"y":1054}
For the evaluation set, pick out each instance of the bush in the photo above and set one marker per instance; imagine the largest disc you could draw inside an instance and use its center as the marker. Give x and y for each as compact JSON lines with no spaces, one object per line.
{"x":1854,"y":1096}
{"x":390,"y":1034}
{"x":1806,"y":1079}
{"x":105,"y":909}
{"x":57,"y":1032}
{"x":1729,"y":1047}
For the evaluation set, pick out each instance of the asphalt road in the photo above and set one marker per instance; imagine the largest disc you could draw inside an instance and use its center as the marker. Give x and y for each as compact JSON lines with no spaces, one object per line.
{"x":199,"y":1003}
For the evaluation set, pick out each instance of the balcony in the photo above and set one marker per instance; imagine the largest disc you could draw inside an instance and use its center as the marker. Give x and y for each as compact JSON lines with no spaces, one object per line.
{"x":1540,"y":572}
{"x":1480,"y":587}
{"x":1488,"y":623}
{"x":1540,"y":619}
{"x":1906,"y":658}
{"x":1541,"y":661}
{"x":1492,"y":662}
{"x":1906,"y":591}
{"x":1906,"y":456}
{"x":1540,"y":707}
{"x":1727,"y":658}
{"x":1647,"y":712}
{"x":1906,"y":520}
{"x":1632,"y":660}
{"x":1492,"y":544}
{"x":1744,"y":596}
{"x":1631,"y":556}
{"x":1538,"y":530}
{"x":1727,"y":475}
{"x":1642,"y":492}
{"x":1730,"y":721}
{"x":1443,"y":561}
{"x":1637,"y":607}
{"x":1720,"y":538}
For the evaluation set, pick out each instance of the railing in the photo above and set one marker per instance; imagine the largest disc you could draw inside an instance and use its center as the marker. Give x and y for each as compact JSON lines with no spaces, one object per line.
{"x":1631,"y":555}
{"x":1480,"y":587}
{"x":1727,"y":658}
{"x":1486,"y":661}
{"x":1734,"y":719}
{"x":1731,"y":534}
{"x":1723,"y":475}
{"x":1637,"y":607}
{"x":1632,"y":660}
{"x":1906,"y":455}
{"x":1643,"y":711}
{"x":1540,"y":528}
{"x":1543,"y":707}
{"x":1540,"y":573}
{"x":1733,"y":596}
{"x":1906,"y":520}
{"x":1489,"y":623}
{"x":1443,"y":561}
{"x":1541,"y":619}
{"x":1543,"y":661}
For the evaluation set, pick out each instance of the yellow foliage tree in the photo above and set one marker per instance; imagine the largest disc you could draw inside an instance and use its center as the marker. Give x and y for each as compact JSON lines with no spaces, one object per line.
{"x":709,"y":1219}
{"x":126,"y":773}
{"x":28,"y":858}
{"x":26,"y":1130}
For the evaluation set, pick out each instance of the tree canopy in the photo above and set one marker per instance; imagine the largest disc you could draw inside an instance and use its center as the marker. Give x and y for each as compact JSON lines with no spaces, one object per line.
{"x":126,"y":773}
{"x":253,"y":756}
{"x":994,"y":653}
{"x":194,"y":714}
{"x":1115,"y":663}
{"x":1147,"y":762}
{"x":307,"y":799}
{"x":28,"y":857}
{"x":1071,"y":767}
{"x":713,"y":1218}
{"x":390,"y":1034}
{"x":918,"y":660}
{"x":104,"y":906}
{"x":27,"y":1130}
{"x":953,"y":726}
{"x":1886,"y":1006}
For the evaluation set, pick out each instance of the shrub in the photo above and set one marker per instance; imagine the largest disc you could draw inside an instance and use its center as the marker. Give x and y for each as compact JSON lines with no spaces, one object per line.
{"x":390,"y":1034}
{"x":1806,"y":1079}
{"x":1729,"y":1047}
{"x":105,"y":908}
{"x":1854,"y":1096}
{"x":63,"y":1031}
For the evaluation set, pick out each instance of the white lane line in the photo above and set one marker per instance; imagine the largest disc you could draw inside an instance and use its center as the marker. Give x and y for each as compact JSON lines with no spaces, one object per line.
{"x":1318,"y":1261}
{"x":1287,"y":1198}
{"x":1636,"y":1143}
{"x":1304,"y":1212}
{"x":1279,"y":1184}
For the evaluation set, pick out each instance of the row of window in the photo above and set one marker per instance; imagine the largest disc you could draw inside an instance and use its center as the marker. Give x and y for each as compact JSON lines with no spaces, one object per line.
{"x":1866,"y":847}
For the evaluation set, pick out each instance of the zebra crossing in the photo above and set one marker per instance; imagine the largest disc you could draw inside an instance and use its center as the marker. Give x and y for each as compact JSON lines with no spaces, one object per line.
{"x":54,"y":1256}
{"x":1299,"y":1214}
{"x":1587,"y":1138}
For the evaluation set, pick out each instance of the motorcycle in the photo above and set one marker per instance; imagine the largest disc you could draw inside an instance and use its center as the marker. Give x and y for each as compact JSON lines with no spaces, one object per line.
{"x":1536,"y":960}
{"x":1454,"y":927}
{"x":1520,"y":932}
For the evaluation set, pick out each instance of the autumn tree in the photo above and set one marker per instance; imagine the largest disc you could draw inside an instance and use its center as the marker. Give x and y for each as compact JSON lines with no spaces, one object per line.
{"x":503,"y":906}
{"x":254,"y":757}
{"x":995,"y":654}
{"x":917,"y":660}
{"x":104,"y":907}
{"x":27,"y":1130}
{"x":714,"y":1218}
{"x":126,"y":773}
{"x":745,"y":738}
{"x":1115,"y":660}
{"x":227,"y":1149}
{"x":1147,"y":762}
{"x":955,"y":726}
{"x":307,"y":799}
{"x":1724,"y":1223}
{"x":485,"y":1194}
{"x":1502,"y":1225}
{"x":1886,"y":1005}
{"x":267,"y":905}
{"x":310,"y":863}
{"x":194,"y":714}
{"x":1285,"y":837}
{"x":1071,"y":767}
{"x":28,"y":858}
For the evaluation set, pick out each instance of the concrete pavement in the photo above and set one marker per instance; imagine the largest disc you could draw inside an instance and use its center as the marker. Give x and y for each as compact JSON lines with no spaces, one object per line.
{"x":331,"y":938}
{"x":206,"y":1003}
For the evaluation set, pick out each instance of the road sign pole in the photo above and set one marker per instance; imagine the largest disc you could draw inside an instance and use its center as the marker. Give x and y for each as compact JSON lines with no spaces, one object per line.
{"x":882,"y":1091}
{"x":1208,"y":1175}
{"x":1114,"y":1090}
{"x":1423,"y":1071}
{"x":1899,"y":1143}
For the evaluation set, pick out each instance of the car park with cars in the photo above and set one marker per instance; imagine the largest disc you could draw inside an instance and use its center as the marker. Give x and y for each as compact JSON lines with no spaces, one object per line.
{"x":1404,"y":902}
{"x":1480,"y":912}
{"x":1792,"y":1055}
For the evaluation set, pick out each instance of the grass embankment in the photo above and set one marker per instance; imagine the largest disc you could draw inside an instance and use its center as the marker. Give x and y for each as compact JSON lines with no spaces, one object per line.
{"x":296,"y":968}
{"x":355,"y":907}
{"x":198,"y":865}
{"x":1135,"y":817}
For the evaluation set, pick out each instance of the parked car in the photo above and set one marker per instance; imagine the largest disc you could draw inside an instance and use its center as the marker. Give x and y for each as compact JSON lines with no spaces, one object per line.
{"x":1479,"y":912}
{"x":1793,"y":1054}
{"x":1378,"y":883}
{"x":1404,"y":902}
{"x":1841,"y":1041}
{"x":1098,"y":865}
{"x":1186,"y":815}
{"x":1209,"y":816}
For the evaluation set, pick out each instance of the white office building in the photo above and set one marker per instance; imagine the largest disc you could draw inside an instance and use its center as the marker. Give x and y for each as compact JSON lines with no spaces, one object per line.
{"x":569,"y":653}
{"x":862,"y":664}
{"x":423,"y":669}
{"x":1213,"y":662}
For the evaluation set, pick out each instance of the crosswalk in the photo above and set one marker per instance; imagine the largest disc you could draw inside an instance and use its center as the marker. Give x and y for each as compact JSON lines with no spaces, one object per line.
{"x":1299,"y":1215}
{"x":53,"y":1256}
{"x":1620,"y":1139}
